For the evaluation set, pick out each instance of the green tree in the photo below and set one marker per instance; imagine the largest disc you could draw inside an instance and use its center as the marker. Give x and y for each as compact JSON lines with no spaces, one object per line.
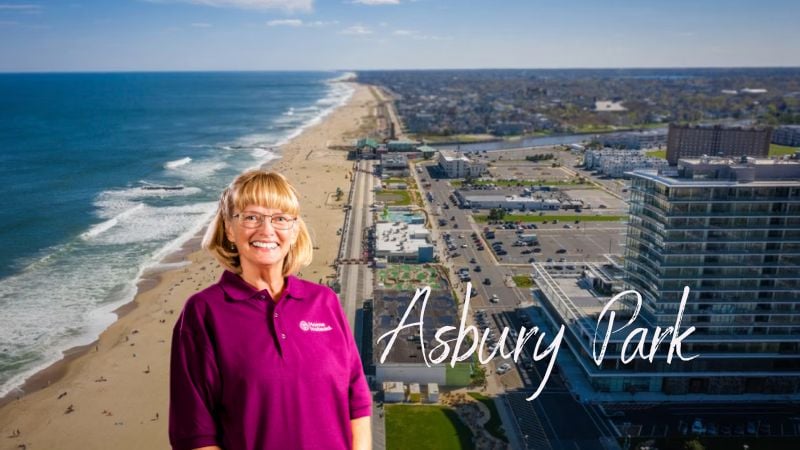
{"x":497,"y":214}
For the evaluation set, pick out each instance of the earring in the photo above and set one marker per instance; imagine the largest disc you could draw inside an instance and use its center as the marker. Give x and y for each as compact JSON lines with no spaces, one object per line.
{"x":233,"y":246}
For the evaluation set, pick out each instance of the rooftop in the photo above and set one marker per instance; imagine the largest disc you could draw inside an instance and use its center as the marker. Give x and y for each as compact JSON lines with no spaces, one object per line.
{"x":389,"y":308}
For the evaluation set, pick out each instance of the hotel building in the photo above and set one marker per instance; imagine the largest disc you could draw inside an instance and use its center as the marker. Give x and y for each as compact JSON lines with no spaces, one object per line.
{"x":730,"y":231}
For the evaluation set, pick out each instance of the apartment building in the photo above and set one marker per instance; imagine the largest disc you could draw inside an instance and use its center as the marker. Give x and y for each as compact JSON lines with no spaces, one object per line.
{"x":729,"y":229}
{"x":687,"y":141}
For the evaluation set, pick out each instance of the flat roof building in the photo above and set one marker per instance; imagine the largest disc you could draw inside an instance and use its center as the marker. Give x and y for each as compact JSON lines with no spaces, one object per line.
{"x":403,"y":242}
{"x":686,"y":141}
{"x":788,"y":135}
{"x":405,"y":361}
{"x":635,"y":140}
{"x":729,"y":229}
{"x":456,"y":165}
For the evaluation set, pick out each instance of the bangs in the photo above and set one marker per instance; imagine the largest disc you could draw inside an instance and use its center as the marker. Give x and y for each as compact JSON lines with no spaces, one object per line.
{"x":268,"y":190}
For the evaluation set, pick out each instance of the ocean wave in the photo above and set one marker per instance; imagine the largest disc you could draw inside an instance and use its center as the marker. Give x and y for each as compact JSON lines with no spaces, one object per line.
{"x":68,"y":299}
{"x":200,"y":169}
{"x":110,"y":223}
{"x":177,"y":163}
{"x":114,"y":202}
{"x":149,"y":223}
{"x":263,"y":154}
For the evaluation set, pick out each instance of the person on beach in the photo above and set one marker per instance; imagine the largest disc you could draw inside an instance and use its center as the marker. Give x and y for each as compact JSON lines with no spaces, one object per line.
{"x":263,"y":359}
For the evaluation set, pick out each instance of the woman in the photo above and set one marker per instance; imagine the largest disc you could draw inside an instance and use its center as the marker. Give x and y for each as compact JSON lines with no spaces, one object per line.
{"x":263,"y":359}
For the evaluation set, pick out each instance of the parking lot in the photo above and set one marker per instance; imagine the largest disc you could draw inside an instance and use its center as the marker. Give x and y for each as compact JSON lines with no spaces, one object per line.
{"x":557,"y":244}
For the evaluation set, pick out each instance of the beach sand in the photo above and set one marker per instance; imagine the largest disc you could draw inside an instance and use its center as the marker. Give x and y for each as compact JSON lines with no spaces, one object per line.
{"x":114,"y":393}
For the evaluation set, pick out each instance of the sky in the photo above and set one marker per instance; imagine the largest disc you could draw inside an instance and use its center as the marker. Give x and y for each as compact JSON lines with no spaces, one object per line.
{"x":186,"y":35}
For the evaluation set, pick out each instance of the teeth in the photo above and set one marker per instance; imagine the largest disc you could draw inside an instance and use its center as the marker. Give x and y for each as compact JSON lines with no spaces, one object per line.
{"x":267,"y":245}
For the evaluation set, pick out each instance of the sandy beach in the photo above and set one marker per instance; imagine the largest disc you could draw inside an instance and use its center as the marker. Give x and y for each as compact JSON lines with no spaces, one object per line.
{"x":114,"y":393}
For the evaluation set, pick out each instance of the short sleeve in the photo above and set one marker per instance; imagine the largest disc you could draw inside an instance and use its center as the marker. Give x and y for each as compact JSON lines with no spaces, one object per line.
{"x":359,"y":393}
{"x":194,"y":384}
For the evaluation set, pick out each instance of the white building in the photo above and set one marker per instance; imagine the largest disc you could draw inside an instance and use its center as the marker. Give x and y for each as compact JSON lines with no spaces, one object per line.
{"x":433,"y":393}
{"x":635,"y":139}
{"x":395,"y":164}
{"x":513,"y":202}
{"x":403,"y":242}
{"x":394,"y":392}
{"x":615,"y":163}
{"x":456,"y":165}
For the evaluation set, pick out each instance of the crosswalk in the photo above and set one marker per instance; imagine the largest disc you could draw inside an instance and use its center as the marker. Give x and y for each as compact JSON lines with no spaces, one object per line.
{"x":530,"y":427}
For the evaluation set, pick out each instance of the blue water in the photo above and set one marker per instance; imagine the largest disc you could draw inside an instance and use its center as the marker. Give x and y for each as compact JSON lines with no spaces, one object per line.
{"x":78,"y":154}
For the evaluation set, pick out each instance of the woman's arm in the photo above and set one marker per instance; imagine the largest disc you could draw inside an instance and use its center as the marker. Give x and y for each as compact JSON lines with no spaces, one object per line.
{"x":362,"y":433}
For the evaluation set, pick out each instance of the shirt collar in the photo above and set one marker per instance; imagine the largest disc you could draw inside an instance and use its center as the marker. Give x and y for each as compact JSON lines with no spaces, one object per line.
{"x":238,"y":289}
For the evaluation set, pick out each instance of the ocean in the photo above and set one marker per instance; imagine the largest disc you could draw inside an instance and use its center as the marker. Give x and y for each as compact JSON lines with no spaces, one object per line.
{"x":105,"y":174}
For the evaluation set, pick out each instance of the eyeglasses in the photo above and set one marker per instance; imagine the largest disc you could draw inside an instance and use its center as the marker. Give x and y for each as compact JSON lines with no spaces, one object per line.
{"x":255,"y":220}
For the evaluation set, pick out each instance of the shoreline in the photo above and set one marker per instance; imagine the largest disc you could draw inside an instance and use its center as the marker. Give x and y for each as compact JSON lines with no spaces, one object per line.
{"x":93,"y":374}
{"x":55,"y":371}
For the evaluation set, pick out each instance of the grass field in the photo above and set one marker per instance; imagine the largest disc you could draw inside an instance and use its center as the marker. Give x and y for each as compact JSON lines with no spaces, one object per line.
{"x":482,"y":218}
{"x":523,"y":281}
{"x":780,"y":150}
{"x":421,"y":427}
{"x":460,"y":375}
{"x":657,"y":154}
{"x":408,"y":276}
{"x":394,"y":197}
{"x":494,"y":426}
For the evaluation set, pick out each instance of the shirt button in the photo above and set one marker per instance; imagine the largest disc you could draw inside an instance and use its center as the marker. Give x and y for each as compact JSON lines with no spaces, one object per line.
{"x":276,"y":315}
{"x":262,"y":297}
{"x":283,"y":336}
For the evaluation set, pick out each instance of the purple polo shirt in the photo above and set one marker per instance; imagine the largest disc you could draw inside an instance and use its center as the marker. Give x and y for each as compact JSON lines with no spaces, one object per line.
{"x":249,"y":373}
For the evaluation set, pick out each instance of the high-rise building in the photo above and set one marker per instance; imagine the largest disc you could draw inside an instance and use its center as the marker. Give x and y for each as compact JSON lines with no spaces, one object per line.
{"x":687,"y":141}
{"x":788,"y":135}
{"x":729,"y":229}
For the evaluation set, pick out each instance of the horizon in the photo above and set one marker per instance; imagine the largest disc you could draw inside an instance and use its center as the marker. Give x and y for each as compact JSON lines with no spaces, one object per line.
{"x":47,"y":36}
{"x":157,"y":71}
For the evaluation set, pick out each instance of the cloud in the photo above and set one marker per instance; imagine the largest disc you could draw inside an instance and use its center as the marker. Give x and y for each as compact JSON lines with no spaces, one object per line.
{"x":416,"y":35}
{"x":377,"y":2}
{"x":289,"y":5}
{"x":321,"y":23}
{"x":19,"y":7}
{"x":300,"y":23}
{"x":201,"y":25}
{"x":356,"y":30}
{"x":285,"y":23}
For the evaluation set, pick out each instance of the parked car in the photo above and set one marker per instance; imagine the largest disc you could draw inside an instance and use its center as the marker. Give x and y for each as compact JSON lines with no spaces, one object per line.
{"x":505,"y":367}
{"x":487,"y":281}
{"x":561,"y":250}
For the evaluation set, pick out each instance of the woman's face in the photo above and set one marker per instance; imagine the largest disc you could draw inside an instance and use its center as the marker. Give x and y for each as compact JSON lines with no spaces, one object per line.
{"x":264,"y":246}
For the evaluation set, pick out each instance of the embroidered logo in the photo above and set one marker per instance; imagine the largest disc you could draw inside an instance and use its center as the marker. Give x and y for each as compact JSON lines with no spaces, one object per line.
{"x":314,"y":326}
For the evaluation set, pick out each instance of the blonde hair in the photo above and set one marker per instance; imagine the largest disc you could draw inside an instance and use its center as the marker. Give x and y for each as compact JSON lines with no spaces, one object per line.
{"x":261,"y":188}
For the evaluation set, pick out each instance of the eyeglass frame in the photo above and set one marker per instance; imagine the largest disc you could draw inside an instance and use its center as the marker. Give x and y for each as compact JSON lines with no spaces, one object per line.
{"x":263,"y":220}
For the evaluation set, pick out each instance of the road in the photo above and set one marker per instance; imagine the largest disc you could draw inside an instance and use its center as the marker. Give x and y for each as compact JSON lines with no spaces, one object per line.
{"x":554,"y":420}
{"x":356,"y":277}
